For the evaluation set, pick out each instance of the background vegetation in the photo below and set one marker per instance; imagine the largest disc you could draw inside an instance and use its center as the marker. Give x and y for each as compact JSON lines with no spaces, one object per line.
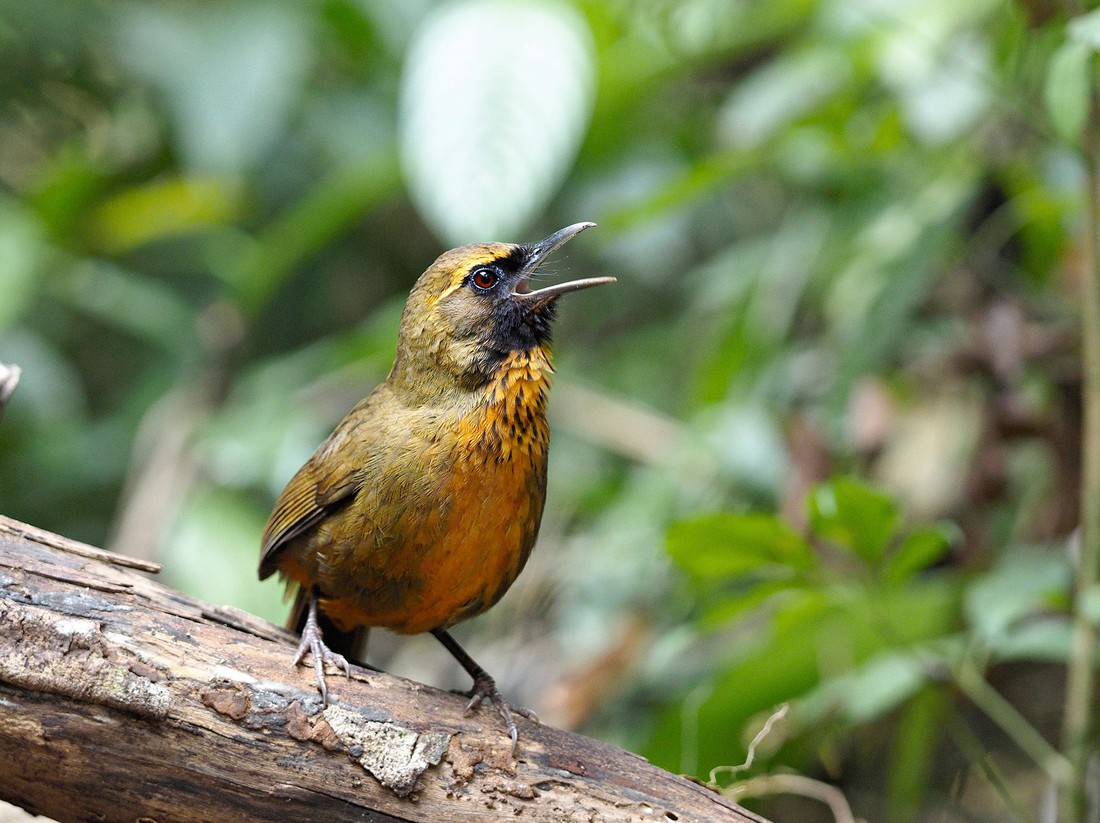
{"x":820,"y":446}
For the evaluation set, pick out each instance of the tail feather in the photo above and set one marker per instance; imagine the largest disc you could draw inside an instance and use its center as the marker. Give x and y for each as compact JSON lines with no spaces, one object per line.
{"x":351,"y":644}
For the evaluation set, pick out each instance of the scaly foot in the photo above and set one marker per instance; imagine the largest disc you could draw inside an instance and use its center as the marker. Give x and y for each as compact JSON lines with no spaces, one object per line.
{"x":485,"y":688}
{"x":313,"y":642}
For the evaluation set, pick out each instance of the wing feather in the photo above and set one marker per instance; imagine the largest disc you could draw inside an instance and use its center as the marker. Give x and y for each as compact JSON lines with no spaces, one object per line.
{"x":335,"y":472}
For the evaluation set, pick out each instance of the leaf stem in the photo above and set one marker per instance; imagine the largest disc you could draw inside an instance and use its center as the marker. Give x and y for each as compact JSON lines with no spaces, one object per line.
{"x":1081,"y":664}
{"x":979,"y":758}
{"x":1014,"y":724}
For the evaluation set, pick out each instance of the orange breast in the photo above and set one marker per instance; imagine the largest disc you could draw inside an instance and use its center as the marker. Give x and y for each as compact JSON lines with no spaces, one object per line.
{"x":440,"y":537}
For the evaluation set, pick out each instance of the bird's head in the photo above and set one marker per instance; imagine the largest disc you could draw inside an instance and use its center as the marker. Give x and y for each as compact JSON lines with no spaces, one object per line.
{"x":473,"y":307}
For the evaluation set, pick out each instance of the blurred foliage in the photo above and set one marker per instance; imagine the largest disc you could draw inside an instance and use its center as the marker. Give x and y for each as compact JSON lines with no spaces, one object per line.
{"x":819,"y":445}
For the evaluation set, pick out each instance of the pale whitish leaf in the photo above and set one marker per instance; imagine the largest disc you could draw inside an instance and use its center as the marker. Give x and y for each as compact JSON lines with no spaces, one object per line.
{"x":1067,"y":89}
{"x":779,"y":92}
{"x":696,"y":27}
{"x":1086,"y":29}
{"x":229,"y":74}
{"x":1022,"y":584}
{"x":495,"y":99}
{"x":1047,"y":638}
{"x":868,"y":692}
{"x":953,"y":96}
{"x":745,"y":440}
{"x":1090,"y":604}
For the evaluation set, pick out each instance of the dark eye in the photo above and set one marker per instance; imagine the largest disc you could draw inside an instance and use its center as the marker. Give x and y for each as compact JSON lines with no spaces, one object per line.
{"x":484,"y":279}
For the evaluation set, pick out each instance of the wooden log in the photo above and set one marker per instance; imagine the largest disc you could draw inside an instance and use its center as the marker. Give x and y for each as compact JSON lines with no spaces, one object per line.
{"x":121,"y":699}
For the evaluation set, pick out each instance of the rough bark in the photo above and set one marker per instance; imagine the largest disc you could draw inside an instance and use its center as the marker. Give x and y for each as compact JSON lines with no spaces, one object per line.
{"x":121,"y":699}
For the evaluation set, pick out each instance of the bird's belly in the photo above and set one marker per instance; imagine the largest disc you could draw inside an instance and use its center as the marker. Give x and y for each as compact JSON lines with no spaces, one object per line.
{"x":444,"y":559}
{"x":443,"y":526}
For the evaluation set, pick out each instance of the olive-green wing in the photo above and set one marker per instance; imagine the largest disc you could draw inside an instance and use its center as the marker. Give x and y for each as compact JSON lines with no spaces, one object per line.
{"x":295,"y":511}
{"x":334,"y":473}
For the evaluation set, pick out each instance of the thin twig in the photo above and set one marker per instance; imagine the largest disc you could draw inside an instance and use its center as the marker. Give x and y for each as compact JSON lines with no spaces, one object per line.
{"x":795,"y":784}
{"x":776,"y":716}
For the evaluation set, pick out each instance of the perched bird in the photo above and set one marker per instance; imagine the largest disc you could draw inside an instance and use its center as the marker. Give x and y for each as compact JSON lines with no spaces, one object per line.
{"x":421,"y":508}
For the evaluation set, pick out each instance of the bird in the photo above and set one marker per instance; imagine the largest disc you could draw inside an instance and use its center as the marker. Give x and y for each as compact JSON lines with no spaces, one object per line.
{"x":422,"y":506}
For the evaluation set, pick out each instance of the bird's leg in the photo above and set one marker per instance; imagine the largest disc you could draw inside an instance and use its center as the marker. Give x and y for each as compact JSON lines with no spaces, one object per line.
{"x":485,"y":688}
{"x":313,"y":642}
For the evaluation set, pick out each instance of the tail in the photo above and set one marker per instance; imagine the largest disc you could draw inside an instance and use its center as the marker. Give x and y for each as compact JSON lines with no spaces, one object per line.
{"x":352,"y":644}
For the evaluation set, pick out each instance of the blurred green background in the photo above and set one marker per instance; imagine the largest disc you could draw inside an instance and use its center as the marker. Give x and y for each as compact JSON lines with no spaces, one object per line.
{"x":818,"y":446}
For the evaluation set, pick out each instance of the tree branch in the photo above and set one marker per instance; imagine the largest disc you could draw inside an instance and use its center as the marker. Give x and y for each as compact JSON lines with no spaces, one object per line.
{"x":121,"y":699}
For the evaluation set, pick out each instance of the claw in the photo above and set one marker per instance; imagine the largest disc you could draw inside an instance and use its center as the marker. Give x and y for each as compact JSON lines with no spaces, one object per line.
{"x":313,"y":643}
{"x":485,"y":688}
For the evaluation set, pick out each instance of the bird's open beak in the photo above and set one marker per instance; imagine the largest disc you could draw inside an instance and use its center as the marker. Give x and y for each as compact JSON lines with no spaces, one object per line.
{"x":539,"y":252}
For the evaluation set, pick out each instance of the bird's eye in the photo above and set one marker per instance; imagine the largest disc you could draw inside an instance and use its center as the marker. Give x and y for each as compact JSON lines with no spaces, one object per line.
{"x":484,"y":279}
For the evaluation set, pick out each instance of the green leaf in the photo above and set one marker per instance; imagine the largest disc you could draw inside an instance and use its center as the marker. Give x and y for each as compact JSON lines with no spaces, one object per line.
{"x":733,"y":545}
{"x":257,"y":270}
{"x":1022,"y":584}
{"x":170,"y":207}
{"x":854,"y":516}
{"x":779,"y":92}
{"x":123,"y":298}
{"x":868,"y":692}
{"x":1047,"y":639}
{"x":1090,"y":605}
{"x":923,"y":547}
{"x":733,"y":605}
{"x":22,"y":252}
{"x":913,"y":754}
{"x":1067,"y":89}
{"x":495,"y":100}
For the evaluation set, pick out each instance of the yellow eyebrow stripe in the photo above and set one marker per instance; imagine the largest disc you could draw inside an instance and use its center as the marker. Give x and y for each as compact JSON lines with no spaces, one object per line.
{"x":451,"y":289}
{"x":471,"y":263}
